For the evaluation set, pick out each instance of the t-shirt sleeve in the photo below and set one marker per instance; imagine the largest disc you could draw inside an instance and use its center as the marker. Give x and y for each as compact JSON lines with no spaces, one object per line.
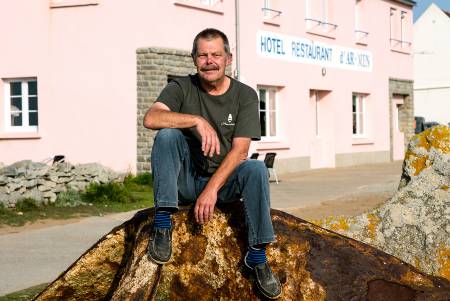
{"x":172,"y":96}
{"x":247,"y":122}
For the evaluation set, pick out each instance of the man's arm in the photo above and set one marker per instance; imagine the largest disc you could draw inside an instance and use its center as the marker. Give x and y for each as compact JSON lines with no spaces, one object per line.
{"x":204,"y":207}
{"x":159,"y":116}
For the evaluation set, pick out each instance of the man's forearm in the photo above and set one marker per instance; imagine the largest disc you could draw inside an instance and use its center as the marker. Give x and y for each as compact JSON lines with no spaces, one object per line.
{"x":159,"y":119}
{"x":228,"y":165}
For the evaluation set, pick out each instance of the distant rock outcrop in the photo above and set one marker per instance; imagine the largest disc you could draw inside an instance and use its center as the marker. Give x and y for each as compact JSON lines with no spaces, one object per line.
{"x":312,"y":264}
{"x":415,"y":224}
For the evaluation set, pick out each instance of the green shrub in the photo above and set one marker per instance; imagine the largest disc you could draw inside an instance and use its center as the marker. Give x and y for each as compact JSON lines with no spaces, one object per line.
{"x":3,"y":210}
{"x":26,"y":205}
{"x":141,"y":179}
{"x":69,"y":198}
{"x":110,"y":192}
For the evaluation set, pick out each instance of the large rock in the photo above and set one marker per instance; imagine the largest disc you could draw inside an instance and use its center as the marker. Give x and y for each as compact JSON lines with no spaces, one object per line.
{"x":415,"y":224}
{"x":312,"y":264}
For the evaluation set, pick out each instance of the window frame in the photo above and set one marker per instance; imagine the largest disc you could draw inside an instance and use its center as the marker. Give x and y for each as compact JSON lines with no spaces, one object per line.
{"x":361,"y":100}
{"x":25,"y":127}
{"x":268,"y":110}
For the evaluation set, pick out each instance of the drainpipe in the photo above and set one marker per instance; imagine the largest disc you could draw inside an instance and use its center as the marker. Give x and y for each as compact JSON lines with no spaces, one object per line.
{"x":237,"y":60}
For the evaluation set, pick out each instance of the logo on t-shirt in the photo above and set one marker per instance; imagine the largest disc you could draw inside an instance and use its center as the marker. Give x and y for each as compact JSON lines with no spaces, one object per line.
{"x":229,"y":121}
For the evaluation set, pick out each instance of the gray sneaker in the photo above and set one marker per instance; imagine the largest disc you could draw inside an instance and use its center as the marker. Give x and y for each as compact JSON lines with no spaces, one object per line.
{"x":160,"y":245}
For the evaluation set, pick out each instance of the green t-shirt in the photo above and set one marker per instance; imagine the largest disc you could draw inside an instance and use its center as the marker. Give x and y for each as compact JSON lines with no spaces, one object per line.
{"x":232,"y":114}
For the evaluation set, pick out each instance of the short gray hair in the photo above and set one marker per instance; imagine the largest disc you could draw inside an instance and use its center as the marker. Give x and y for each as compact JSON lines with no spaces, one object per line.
{"x":210,"y":33}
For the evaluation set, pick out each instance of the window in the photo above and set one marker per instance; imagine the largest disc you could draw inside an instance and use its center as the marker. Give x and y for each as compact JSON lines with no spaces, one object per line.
{"x":266,"y":9}
{"x":399,"y":35}
{"x":269,"y":14}
{"x":268,"y":111}
{"x":21,"y":105}
{"x":358,"y":114}
{"x":361,"y":10}
{"x":318,"y":17}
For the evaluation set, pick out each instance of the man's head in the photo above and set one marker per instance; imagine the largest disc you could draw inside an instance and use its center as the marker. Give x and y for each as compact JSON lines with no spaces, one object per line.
{"x":211,"y":54}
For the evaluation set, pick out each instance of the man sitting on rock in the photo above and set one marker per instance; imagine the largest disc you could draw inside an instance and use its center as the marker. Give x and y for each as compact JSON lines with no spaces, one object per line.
{"x":206,"y":122}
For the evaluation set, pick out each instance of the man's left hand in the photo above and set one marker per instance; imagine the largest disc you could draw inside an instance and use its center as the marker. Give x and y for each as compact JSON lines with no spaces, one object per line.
{"x":204,"y":207}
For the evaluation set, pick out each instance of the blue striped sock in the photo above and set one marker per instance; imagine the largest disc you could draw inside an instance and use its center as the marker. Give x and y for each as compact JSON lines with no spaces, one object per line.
{"x":162,"y":220}
{"x":255,"y":256}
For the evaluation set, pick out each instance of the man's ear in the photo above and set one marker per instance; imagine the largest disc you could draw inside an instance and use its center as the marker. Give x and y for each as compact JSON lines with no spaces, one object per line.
{"x":229,"y":59}
{"x":193,"y":59}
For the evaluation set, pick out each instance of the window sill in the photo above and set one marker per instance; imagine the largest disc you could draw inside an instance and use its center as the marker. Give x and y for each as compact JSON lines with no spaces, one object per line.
{"x":362,"y":42}
{"x":362,"y":141}
{"x":400,"y":50}
{"x":13,"y":136}
{"x":72,"y":3}
{"x":266,"y":145}
{"x":322,"y":33}
{"x":217,"y":9}
{"x":271,"y":22}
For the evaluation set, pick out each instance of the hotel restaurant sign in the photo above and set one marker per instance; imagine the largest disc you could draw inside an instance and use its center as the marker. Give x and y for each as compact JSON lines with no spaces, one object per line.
{"x":276,"y":46}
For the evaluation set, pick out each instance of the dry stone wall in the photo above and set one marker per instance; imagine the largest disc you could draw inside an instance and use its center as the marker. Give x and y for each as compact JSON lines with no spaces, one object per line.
{"x":43,"y":183}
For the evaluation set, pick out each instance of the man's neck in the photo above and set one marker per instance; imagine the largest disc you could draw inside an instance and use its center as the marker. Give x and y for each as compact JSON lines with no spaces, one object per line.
{"x":218,"y":87}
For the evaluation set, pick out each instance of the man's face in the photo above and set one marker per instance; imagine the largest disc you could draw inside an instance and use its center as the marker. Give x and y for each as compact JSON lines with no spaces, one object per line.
{"x":211,"y":59}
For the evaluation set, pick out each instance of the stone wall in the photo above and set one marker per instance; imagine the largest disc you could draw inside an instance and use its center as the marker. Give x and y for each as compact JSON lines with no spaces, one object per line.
{"x":404,"y":88}
{"x":43,"y":183}
{"x":154,"y":67}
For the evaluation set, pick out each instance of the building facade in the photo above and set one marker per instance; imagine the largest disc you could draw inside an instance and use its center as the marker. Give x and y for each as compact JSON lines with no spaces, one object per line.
{"x":334,"y":77}
{"x":432,"y":65}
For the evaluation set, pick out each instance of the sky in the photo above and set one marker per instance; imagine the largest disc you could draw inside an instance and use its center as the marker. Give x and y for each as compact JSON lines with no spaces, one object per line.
{"x":422,"y":5}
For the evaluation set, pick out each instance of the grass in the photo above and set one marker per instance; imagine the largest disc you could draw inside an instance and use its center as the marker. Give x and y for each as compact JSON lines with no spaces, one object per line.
{"x":24,"y":295}
{"x":99,"y":199}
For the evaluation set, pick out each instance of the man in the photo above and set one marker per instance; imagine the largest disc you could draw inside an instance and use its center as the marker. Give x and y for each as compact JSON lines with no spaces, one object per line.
{"x":206,"y":122}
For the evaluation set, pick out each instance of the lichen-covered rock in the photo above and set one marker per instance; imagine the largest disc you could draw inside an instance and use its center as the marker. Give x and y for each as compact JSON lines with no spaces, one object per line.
{"x":207,"y":264}
{"x":415,"y":224}
{"x":422,"y":151}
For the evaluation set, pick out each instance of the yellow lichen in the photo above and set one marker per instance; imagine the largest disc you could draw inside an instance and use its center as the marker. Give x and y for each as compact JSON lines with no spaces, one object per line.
{"x":373,"y":224}
{"x":340,"y":224}
{"x":437,"y":137}
{"x":419,"y":164}
{"x":417,"y":263}
{"x":443,"y":258}
{"x":444,"y":187}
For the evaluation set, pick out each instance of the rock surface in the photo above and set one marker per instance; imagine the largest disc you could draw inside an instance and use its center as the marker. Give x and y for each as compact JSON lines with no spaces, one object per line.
{"x":415,"y":224}
{"x":312,"y":264}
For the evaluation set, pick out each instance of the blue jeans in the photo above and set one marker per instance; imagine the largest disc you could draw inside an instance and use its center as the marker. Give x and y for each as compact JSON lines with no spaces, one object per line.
{"x":175,"y":180}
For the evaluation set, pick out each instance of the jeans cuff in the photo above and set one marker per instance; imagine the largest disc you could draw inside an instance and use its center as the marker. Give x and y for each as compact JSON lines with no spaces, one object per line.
{"x":159,"y":204}
{"x":261,"y":240}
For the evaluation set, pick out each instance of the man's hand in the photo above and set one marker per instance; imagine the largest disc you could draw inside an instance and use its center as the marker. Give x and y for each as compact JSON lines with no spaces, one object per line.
{"x":204,"y":207}
{"x":210,"y":141}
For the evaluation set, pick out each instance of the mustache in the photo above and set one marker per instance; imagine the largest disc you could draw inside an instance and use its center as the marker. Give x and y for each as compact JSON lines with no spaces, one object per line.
{"x":209,"y":68}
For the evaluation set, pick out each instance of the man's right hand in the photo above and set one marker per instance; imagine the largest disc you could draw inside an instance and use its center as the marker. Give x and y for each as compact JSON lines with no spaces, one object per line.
{"x":210,"y":141}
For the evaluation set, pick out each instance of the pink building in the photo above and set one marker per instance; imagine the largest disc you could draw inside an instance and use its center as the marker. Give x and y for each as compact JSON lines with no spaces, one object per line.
{"x":334,"y":76}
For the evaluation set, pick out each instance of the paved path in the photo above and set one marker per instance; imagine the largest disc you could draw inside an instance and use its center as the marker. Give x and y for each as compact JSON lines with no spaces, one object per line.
{"x":37,"y":256}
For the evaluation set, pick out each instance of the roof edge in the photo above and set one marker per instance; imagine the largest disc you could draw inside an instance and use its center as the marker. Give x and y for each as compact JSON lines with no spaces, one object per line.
{"x":406,"y":2}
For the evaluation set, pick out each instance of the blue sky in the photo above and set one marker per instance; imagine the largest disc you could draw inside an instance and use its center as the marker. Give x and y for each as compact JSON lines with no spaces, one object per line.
{"x":422,"y":5}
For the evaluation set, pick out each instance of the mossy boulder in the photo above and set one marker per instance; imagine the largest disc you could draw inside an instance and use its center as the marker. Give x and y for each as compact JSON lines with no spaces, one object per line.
{"x":207,"y":264}
{"x":415,"y":224}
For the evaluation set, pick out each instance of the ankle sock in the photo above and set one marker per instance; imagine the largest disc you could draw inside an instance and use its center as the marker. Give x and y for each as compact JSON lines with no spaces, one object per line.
{"x":162,"y":219}
{"x":255,"y":256}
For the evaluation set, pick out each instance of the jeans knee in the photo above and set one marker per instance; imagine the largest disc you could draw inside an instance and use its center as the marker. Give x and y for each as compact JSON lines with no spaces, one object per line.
{"x":168,"y":135}
{"x":255,"y":168}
